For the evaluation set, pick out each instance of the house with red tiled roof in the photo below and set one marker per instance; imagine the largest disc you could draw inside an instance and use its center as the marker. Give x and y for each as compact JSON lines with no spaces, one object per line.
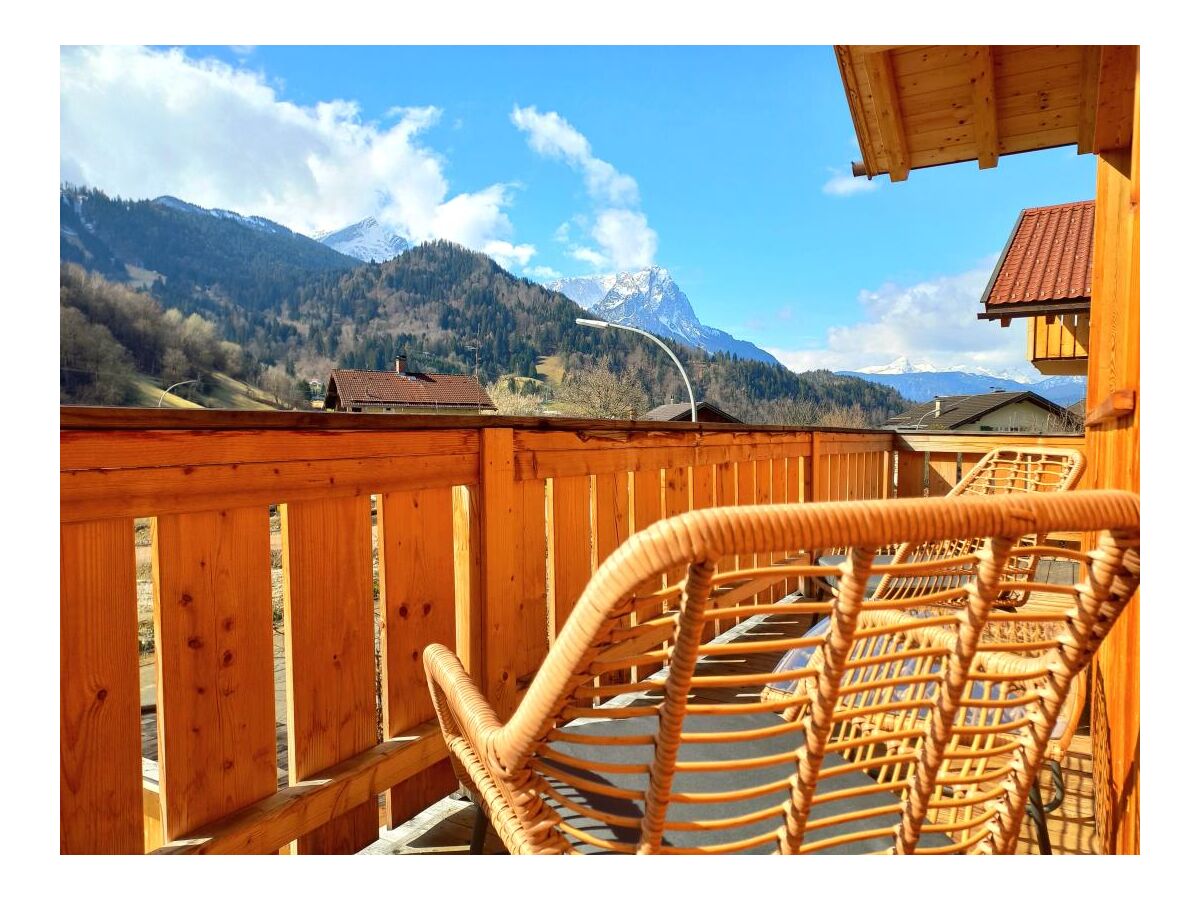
{"x":401,"y":391}
{"x":1044,"y":276}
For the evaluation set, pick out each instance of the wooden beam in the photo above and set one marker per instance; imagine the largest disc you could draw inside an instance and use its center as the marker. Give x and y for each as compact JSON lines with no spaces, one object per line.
{"x":1114,"y":98}
{"x":296,"y":810}
{"x":1088,"y":82}
{"x":887,"y":111}
{"x":983,"y":97}
{"x":1114,"y":406}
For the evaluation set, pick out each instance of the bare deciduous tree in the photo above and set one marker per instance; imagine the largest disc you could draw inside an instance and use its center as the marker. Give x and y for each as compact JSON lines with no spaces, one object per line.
{"x":595,"y":392}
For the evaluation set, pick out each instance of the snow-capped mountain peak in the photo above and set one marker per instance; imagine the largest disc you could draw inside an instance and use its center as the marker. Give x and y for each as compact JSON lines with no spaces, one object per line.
{"x":899,"y":366}
{"x":650,"y":299}
{"x":366,"y":240}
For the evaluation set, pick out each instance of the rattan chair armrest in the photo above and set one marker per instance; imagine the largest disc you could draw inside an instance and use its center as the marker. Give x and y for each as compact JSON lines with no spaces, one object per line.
{"x":461,"y":708}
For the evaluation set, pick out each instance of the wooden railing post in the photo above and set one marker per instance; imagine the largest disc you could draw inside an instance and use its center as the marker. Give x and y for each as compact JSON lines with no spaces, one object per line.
{"x":468,"y":574}
{"x":500,"y":530}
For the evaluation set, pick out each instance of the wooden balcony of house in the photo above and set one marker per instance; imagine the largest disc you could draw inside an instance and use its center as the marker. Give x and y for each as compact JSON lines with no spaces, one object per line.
{"x":246,"y":597}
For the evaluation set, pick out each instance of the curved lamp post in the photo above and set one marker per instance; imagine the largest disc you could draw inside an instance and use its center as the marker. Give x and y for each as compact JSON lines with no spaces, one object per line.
{"x":600,"y":323}
{"x":175,"y":385}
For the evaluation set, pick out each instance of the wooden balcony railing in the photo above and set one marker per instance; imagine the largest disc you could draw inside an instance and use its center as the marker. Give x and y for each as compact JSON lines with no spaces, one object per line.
{"x":394,"y":532}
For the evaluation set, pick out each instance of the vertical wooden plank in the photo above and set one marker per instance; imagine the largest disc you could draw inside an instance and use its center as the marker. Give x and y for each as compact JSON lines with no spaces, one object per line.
{"x":647,"y":509}
{"x":793,"y":480}
{"x":329,"y":627}
{"x":746,"y":496}
{"x":216,"y":664}
{"x":570,"y":556}
{"x":468,"y":575}
{"x":837,"y":476}
{"x":763,"y":480}
{"x":100,"y":742}
{"x":703,"y":487}
{"x":416,"y":608}
{"x":910,"y":477}
{"x":531,"y":629}
{"x":675,"y":501}
{"x":812,"y":469}
{"x":943,"y":473}
{"x":610,"y":528}
{"x":725,"y":494}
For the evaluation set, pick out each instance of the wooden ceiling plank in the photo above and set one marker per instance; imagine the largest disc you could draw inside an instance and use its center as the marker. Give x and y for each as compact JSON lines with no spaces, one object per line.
{"x":1114,"y":98}
{"x":887,"y":108}
{"x":1088,"y":78}
{"x":857,"y":110}
{"x":983,"y":95}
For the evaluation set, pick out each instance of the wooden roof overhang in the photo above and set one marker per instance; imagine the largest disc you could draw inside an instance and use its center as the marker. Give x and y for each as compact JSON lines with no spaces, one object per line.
{"x":920,"y":106}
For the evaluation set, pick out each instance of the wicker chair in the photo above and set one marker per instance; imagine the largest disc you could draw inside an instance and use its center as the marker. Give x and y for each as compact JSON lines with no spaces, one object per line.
{"x":903,"y":734}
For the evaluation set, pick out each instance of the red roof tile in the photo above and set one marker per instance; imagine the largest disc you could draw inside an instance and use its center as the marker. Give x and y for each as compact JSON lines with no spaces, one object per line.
{"x":1048,"y":261}
{"x":363,"y":388}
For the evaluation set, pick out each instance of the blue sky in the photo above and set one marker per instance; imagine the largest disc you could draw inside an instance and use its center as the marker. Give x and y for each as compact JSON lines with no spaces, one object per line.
{"x":718,"y":163}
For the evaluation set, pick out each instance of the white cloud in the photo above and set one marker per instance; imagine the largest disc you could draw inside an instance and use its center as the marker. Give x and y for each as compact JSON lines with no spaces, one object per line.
{"x":553,"y":136}
{"x":843,"y":184}
{"x":625,"y":237}
{"x":930,"y":322}
{"x":590,"y":256}
{"x":140,"y":122}
{"x":542,"y":273}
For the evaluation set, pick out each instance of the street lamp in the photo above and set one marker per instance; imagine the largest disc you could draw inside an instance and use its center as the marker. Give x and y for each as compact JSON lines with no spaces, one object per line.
{"x":175,"y":385}
{"x":600,"y":323}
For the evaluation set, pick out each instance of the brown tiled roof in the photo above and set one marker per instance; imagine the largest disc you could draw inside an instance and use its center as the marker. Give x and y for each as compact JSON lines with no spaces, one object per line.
{"x":682,"y":412}
{"x":963,"y":409}
{"x":366,"y":388}
{"x":1047,"y":264}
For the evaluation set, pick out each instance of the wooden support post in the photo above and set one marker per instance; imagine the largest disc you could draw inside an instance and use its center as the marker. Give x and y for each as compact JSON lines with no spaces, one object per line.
{"x":468,"y":574}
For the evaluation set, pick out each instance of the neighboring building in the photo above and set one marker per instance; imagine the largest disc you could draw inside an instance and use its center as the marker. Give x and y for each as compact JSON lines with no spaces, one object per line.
{"x":1045,"y":275}
{"x":401,"y":391}
{"x":1006,"y":411}
{"x":682,"y":412}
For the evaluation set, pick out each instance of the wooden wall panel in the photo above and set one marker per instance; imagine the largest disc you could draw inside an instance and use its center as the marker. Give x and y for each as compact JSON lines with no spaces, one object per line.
{"x":647,"y":509}
{"x":216,"y":664}
{"x":416,"y":608}
{"x":570,"y":555}
{"x":943,"y":473}
{"x":329,"y":626}
{"x":100,"y":741}
{"x":610,"y":528}
{"x":1114,"y":461}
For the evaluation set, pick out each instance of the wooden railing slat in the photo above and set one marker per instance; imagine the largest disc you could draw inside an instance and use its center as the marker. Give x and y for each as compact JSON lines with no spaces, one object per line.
{"x":416,"y":608}
{"x":100,"y":753}
{"x":329,"y":625}
{"x":215,"y":663}
{"x":570,"y":556}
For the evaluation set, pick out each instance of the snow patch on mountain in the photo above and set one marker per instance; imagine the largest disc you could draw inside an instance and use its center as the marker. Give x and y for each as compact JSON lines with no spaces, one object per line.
{"x":650,"y":299}
{"x":367,"y":240}
{"x":922,"y":381}
{"x":257,"y":223}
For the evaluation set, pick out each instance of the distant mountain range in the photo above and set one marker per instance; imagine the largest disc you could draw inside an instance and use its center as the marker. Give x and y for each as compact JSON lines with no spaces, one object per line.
{"x":922,"y":382}
{"x":366,"y":240}
{"x":650,"y":299}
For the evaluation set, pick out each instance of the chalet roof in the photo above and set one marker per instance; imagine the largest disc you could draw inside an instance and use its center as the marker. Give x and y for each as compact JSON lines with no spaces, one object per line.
{"x":682,"y":412}
{"x":366,"y":388}
{"x":918,"y":106}
{"x":1047,"y":265}
{"x":963,"y":409}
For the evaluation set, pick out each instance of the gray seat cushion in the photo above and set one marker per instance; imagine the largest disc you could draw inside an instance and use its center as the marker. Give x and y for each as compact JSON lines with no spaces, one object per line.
{"x":709,"y":782}
{"x":836,"y":559}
